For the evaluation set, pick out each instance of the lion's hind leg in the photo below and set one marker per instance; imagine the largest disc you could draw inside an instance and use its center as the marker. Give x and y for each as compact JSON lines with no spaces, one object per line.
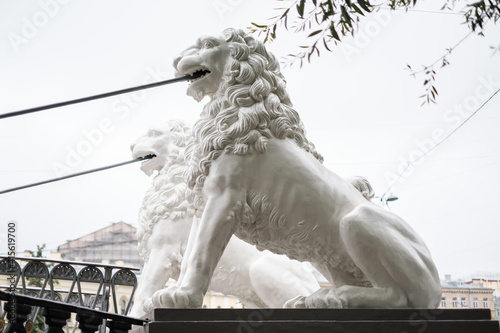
{"x":392,"y":257}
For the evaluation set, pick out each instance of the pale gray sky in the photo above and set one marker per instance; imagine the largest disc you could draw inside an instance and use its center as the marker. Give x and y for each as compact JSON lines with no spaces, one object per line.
{"x":360,"y":107}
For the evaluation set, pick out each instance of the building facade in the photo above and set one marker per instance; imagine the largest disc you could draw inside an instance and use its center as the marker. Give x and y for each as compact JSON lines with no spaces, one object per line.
{"x":115,"y":244}
{"x":458,"y":294}
{"x":490,"y":281}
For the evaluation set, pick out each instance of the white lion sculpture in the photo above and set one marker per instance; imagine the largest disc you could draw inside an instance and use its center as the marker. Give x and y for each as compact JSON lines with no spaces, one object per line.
{"x":257,"y":279}
{"x":254,"y":174}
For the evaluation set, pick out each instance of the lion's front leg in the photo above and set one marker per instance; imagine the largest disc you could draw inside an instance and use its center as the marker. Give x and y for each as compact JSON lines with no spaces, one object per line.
{"x":206,"y":248}
{"x":167,"y":243}
{"x":192,"y":234}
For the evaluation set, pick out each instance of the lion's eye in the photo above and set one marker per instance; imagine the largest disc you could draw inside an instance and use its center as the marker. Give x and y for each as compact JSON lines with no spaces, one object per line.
{"x":153,"y":133}
{"x":207,"y":44}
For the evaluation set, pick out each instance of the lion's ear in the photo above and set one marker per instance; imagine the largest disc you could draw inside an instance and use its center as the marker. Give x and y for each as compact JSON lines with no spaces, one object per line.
{"x":251,"y":42}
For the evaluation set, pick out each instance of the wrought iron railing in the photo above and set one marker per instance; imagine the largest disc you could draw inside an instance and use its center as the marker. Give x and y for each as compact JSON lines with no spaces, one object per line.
{"x":91,"y":290}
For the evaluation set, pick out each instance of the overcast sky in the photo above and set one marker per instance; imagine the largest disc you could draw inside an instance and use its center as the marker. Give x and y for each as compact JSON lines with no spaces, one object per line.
{"x":360,"y":107}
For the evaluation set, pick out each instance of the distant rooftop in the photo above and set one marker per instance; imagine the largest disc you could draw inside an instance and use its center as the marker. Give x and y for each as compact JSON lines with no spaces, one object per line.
{"x":459,"y":284}
{"x":113,"y":244}
{"x":449,"y":283}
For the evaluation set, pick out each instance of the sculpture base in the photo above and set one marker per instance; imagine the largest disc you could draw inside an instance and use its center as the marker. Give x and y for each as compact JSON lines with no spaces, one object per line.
{"x":322,"y":321}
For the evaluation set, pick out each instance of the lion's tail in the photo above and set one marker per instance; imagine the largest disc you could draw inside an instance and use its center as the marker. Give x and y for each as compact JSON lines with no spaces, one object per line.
{"x":362,"y":185}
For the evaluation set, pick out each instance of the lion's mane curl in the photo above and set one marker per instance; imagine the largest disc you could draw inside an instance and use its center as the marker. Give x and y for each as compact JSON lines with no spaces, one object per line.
{"x":250,"y":107}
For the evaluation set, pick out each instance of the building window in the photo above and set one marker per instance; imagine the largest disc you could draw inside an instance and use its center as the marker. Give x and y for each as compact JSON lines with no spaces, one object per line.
{"x":485,"y":302}
{"x":463,"y":303}
{"x":455,"y":302}
{"x":122,"y":305}
{"x":443,"y":302}
{"x":476,"y":305}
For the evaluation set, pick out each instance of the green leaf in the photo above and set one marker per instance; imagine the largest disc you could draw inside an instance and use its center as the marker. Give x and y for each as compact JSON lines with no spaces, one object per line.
{"x":333,"y":32}
{"x":259,"y":26}
{"x":326,"y":45}
{"x":346,"y":16}
{"x":356,"y":8}
{"x":331,"y":10}
{"x":300,"y":8}
{"x":365,"y":5}
{"x":314,"y":33}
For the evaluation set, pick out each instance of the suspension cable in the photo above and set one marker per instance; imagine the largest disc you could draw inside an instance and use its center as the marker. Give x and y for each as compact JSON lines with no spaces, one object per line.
{"x":103,"y":95}
{"x":76,"y":174}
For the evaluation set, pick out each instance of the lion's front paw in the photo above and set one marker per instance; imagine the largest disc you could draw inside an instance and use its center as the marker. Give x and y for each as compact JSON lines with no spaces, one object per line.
{"x":332,"y":300}
{"x":174,"y":297}
{"x":148,"y":306}
{"x":296,"y":302}
{"x":137,"y":310}
{"x":323,"y":298}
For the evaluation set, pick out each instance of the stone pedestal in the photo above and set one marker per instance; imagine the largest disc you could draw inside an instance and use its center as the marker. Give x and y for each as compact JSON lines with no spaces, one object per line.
{"x":322,"y":321}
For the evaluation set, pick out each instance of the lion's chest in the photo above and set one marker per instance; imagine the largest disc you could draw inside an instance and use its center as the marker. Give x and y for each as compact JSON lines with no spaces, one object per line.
{"x":265,"y":225}
{"x":282,"y":202}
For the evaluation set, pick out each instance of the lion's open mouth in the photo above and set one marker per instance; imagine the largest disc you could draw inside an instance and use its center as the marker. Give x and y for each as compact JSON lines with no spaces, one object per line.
{"x":147,"y":157}
{"x":198,"y":74}
{"x":150,"y":163}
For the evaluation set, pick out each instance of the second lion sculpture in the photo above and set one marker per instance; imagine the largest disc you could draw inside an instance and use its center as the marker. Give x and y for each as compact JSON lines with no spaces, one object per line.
{"x":253,"y":173}
{"x":257,"y":279}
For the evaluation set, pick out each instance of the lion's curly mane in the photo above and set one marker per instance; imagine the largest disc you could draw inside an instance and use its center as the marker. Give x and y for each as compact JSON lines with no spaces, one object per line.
{"x":166,"y":198}
{"x":250,"y":107}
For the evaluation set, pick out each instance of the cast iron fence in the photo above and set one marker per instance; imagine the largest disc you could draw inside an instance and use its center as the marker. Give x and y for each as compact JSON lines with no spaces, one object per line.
{"x":90,"y":290}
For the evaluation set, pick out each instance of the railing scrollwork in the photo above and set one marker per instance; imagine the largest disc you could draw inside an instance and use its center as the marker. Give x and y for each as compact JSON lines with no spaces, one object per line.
{"x":60,"y":288}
